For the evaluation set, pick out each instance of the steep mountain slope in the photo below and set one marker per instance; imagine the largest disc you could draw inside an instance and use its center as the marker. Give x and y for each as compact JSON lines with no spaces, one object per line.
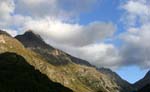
{"x":143,"y":82}
{"x":80,"y":78}
{"x":124,"y":85}
{"x":16,"y":75}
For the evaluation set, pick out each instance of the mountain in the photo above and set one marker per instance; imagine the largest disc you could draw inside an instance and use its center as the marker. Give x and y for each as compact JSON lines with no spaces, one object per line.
{"x":68,"y":71}
{"x":124,"y":86}
{"x":60,"y":67}
{"x":20,"y":65}
{"x":141,"y":84}
{"x":16,"y":75}
{"x":48,"y":52}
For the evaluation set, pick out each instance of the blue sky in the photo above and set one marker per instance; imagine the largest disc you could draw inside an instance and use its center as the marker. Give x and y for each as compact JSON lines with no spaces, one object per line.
{"x":107,"y":33}
{"x":103,"y":11}
{"x":132,"y":73}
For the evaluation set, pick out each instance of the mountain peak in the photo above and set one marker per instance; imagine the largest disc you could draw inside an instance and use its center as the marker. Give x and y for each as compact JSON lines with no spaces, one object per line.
{"x":31,"y":39}
{"x":31,"y":35}
{"x":30,"y":32}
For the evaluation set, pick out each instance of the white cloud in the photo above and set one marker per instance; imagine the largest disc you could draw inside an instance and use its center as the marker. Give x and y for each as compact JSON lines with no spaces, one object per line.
{"x":136,"y":7}
{"x":136,"y":46}
{"x":17,"y":12}
{"x":71,"y":34}
{"x":53,"y":8}
{"x":82,"y":41}
{"x":136,"y":11}
{"x":37,"y":8}
{"x":6,"y":8}
{"x":11,"y":32}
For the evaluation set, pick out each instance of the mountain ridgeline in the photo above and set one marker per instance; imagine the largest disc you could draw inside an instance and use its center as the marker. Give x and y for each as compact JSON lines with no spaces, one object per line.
{"x":46,"y":69}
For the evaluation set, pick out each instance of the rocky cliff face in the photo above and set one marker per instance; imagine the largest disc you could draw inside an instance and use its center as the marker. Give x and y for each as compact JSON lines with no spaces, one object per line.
{"x":79,"y":77}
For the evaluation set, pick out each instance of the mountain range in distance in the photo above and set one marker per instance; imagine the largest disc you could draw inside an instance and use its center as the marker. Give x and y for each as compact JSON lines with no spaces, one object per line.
{"x":31,"y":65}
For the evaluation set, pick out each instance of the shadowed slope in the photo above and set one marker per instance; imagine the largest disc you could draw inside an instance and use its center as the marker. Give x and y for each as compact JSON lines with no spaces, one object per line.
{"x":16,"y":75}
